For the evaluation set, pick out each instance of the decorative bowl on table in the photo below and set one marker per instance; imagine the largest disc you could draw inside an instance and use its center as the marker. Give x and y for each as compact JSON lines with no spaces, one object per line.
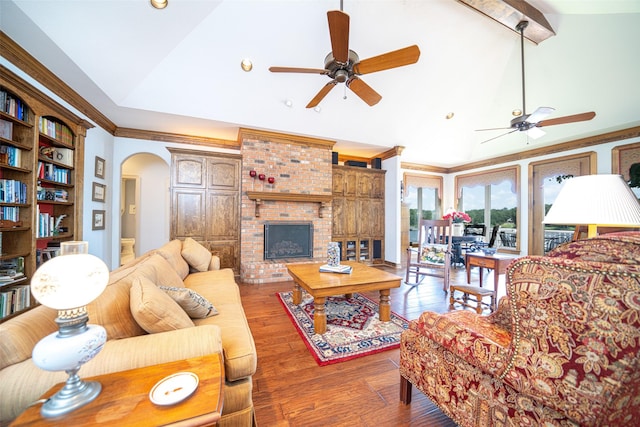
{"x":489,"y":251}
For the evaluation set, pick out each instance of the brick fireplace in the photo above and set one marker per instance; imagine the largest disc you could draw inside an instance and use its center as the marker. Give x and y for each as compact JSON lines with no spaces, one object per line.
{"x":301,"y":192}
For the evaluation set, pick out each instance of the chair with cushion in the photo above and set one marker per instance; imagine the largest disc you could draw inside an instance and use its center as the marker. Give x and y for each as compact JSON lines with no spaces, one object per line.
{"x":433,"y":255}
{"x":562,"y":349}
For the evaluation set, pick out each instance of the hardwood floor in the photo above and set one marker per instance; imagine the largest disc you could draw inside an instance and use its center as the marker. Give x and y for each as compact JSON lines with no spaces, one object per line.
{"x":290,"y":389}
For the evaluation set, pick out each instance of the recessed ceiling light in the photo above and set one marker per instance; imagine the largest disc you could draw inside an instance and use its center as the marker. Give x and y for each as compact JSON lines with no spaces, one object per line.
{"x":516,"y":112}
{"x":288,"y":103}
{"x":246,"y":65}
{"x":450,"y":115}
{"x":317,"y":108}
{"x":159,"y":4}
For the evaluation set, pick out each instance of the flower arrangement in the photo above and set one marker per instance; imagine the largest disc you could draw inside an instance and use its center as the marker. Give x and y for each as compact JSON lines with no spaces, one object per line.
{"x":457,"y":217}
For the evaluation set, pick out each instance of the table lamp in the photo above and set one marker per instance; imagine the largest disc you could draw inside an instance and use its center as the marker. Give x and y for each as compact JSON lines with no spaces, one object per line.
{"x":595,"y":200}
{"x":68,"y":283}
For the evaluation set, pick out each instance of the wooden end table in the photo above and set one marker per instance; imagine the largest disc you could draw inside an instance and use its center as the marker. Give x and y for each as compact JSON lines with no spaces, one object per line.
{"x":124,"y":400}
{"x":321,"y":285}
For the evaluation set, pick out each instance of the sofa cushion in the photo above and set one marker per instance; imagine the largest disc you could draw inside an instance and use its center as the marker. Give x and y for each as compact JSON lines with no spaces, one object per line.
{"x":196,"y":255}
{"x":240,"y":357}
{"x":194,"y":304}
{"x":158,"y":270}
{"x":172,"y":252}
{"x":154,"y":310}
{"x":19,"y":335}
{"x":433,"y":254}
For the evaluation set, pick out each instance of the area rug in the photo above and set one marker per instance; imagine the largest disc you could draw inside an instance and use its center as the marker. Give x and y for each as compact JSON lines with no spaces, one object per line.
{"x":353,"y":327}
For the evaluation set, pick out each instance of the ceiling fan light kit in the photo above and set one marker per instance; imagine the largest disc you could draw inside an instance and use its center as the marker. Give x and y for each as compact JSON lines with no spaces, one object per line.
{"x":531,"y":123}
{"x":343,"y":65}
{"x":159,"y":4}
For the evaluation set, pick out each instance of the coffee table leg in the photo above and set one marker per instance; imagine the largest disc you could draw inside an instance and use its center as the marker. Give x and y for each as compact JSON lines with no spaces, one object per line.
{"x":297,"y":294}
{"x":385,"y":305}
{"x":319,"y":316}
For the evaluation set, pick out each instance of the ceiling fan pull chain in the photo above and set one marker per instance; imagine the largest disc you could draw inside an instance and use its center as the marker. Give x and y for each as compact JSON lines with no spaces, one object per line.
{"x":345,"y":92}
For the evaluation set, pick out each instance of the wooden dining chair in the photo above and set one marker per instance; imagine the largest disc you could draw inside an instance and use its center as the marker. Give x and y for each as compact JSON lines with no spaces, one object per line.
{"x":432,"y":256}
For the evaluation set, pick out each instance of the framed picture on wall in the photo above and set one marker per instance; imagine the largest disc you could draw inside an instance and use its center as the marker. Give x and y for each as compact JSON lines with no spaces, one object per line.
{"x":99,"y":167}
{"x":98,"y":220}
{"x":99,"y":192}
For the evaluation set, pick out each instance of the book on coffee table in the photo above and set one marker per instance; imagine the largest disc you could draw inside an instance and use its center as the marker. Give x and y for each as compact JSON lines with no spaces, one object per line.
{"x":344,"y":269}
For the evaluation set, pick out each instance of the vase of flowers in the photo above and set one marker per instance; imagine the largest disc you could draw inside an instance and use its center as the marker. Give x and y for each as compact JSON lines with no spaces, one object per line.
{"x":458,"y":219}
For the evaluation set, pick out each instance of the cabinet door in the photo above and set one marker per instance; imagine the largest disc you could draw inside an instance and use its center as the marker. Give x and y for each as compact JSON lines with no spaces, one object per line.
{"x":377,"y":217}
{"x":365,"y":183}
{"x":222,"y":174}
{"x":364,"y":217}
{"x":229,"y":253}
{"x":350,"y":214}
{"x":350,"y":183}
{"x":338,"y":179}
{"x":338,"y":216}
{"x":377,"y":186}
{"x":222,"y":216}
{"x":188,"y":214}
{"x":189,"y":171}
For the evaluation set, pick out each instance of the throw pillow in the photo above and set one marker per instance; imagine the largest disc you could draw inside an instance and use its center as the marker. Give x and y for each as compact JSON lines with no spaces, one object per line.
{"x":433,"y":254}
{"x":195,"y":254}
{"x":194,"y":304}
{"x":154,"y":310}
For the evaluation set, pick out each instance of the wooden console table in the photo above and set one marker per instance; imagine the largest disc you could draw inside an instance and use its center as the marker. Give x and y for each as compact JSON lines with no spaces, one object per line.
{"x":124,"y":400}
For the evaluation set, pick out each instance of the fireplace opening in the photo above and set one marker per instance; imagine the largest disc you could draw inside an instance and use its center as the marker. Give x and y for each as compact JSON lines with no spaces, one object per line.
{"x":288,"y":240}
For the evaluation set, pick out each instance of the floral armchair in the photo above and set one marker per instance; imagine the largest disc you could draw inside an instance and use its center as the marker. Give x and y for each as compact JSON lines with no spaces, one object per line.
{"x":562,"y":349}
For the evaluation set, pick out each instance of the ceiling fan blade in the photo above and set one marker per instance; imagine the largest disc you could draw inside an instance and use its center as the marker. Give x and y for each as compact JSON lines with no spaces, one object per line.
{"x":480,"y":130}
{"x":568,"y":119}
{"x":535,"y":132}
{"x":364,"y":91}
{"x":499,"y":136}
{"x":323,"y":92}
{"x":540,"y":114}
{"x":297,"y":70}
{"x":339,"y":33}
{"x":396,"y":58}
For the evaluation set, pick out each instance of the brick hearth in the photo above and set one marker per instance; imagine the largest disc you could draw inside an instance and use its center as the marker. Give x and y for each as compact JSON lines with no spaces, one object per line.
{"x":299,"y":166}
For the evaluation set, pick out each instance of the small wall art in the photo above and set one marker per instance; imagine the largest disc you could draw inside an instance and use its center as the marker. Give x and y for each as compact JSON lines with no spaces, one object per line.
{"x":99,"y":192}
{"x":99,"y":167}
{"x":98,"y":220}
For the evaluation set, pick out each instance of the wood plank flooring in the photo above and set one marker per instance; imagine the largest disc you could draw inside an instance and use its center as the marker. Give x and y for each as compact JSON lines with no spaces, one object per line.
{"x":290,"y":389}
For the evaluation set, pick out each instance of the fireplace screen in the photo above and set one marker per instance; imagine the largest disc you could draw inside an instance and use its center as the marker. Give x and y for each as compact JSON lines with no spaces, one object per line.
{"x":288,"y":240}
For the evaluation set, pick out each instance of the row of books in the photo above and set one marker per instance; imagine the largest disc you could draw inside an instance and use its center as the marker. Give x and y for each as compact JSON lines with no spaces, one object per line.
{"x":13,"y":106}
{"x":11,"y":156}
{"x":52,"y":194}
{"x":13,"y":191}
{"x":10,"y":213}
{"x":48,"y":225}
{"x":53,"y":173}
{"x":14,"y":299}
{"x":56,"y":130}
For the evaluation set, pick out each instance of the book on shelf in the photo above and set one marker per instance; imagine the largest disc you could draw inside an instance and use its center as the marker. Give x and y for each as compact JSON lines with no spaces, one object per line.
{"x":344,"y":269}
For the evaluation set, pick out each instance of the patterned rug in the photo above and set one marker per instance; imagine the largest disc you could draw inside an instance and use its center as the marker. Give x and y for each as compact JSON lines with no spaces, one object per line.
{"x":353,"y":327}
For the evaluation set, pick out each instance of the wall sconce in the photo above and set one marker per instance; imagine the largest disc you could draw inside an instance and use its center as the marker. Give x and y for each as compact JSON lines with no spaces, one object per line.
{"x":68,"y":283}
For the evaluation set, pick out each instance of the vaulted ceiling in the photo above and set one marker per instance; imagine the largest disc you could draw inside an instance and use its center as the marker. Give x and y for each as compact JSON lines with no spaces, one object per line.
{"x":178,"y":69}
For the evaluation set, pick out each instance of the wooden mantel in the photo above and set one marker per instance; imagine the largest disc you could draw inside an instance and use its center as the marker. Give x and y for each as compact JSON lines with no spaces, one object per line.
{"x":261,"y":196}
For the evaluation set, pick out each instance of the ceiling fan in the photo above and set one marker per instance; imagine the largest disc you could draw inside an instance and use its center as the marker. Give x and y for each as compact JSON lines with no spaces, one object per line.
{"x":531,"y":123}
{"x":343,"y":65}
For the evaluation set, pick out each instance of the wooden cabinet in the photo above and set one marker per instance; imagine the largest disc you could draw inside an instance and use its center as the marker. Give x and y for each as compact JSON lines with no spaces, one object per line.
{"x":205,"y":202}
{"x":358,"y":213}
{"x":41,"y":169}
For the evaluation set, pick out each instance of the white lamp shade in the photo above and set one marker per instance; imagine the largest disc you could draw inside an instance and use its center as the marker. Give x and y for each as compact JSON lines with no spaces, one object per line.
{"x":69,"y":281}
{"x":595,"y":200}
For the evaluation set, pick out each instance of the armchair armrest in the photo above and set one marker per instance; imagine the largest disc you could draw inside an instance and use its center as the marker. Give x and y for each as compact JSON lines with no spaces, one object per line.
{"x":215,"y":263}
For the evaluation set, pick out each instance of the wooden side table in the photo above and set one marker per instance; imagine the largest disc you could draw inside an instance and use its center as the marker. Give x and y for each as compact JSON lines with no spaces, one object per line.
{"x":124,"y":400}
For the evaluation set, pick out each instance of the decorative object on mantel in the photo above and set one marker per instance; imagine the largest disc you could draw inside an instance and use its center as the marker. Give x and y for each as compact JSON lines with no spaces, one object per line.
{"x":260,"y":196}
{"x":68,"y":283}
{"x":458,"y":219}
{"x":354,"y":329}
{"x":595,"y":200}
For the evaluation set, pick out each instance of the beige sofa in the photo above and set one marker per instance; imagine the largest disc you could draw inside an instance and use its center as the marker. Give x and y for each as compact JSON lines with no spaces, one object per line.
{"x":146,"y":325}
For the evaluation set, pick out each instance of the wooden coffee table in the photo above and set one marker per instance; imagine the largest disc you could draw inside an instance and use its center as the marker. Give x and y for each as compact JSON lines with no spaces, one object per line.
{"x":124,"y":400}
{"x":321,"y":285}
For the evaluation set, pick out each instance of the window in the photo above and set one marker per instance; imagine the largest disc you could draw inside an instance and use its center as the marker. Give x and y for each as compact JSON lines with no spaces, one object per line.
{"x":491,"y":198}
{"x":423,"y":195}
